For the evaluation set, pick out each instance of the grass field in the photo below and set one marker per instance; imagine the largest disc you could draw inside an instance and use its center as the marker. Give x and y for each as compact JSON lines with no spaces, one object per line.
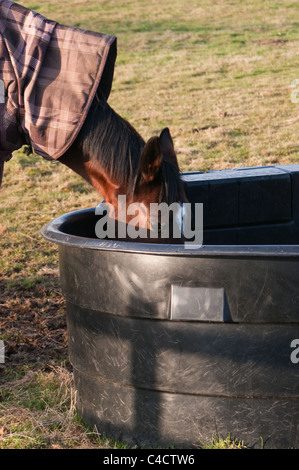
{"x":219,"y":75}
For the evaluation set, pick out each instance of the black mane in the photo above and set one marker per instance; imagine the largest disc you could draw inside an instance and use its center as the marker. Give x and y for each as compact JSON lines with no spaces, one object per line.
{"x":108,"y":138}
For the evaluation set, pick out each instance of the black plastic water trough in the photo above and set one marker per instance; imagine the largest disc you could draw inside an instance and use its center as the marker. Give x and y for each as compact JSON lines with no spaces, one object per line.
{"x":172,"y":346}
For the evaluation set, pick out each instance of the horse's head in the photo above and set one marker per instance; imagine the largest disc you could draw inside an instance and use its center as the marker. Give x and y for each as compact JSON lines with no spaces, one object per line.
{"x":139,"y":181}
{"x":150,"y":209}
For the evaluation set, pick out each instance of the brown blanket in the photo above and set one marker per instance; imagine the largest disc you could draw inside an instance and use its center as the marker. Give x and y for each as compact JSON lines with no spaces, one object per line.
{"x":50,"y":74}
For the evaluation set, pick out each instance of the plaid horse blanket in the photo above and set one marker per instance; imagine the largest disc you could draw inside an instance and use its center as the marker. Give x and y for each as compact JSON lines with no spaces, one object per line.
{"x":49,"y":74}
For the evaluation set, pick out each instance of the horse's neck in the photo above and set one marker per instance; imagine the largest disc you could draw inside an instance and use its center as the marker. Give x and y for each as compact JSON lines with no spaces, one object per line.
{"x":72,"y":158}
{"x":106,"y":151}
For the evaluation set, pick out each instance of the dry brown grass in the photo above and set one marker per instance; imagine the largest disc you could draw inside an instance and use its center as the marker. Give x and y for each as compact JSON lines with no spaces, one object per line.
{"x":42,"y":413}
{"x":219,"y":74}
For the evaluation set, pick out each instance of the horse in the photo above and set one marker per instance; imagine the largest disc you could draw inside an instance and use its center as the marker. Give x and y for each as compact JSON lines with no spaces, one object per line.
{"x":56,"y":82}
{"x":112,"y":157}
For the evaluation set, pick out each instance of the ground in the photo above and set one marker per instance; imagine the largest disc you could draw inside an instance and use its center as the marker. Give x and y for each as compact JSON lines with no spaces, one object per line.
{"x":220,"y":74}
{"x":34,"y":325}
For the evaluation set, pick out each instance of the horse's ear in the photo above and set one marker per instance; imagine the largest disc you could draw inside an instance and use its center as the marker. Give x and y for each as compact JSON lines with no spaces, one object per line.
{"x":166,"y":144}
{"x":150,"y":159}
{"x":154,"y":150}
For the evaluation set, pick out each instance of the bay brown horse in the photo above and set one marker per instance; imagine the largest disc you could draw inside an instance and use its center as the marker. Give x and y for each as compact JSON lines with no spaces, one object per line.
{"x":45,"y":104}
{"x":111,"y":155}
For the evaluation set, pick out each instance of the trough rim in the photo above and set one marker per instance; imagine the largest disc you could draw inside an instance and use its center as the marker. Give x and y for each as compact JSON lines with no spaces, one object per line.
{"x":52,"y":232}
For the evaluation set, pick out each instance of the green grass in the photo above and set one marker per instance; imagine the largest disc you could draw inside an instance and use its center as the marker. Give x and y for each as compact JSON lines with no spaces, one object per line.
{"x":218,"y":74}
{"x":218,"y":442}
{"x":38,"y":411}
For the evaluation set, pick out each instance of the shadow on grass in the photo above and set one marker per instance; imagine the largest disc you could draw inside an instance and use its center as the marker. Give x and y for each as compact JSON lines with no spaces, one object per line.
{"x":32,"y":322}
